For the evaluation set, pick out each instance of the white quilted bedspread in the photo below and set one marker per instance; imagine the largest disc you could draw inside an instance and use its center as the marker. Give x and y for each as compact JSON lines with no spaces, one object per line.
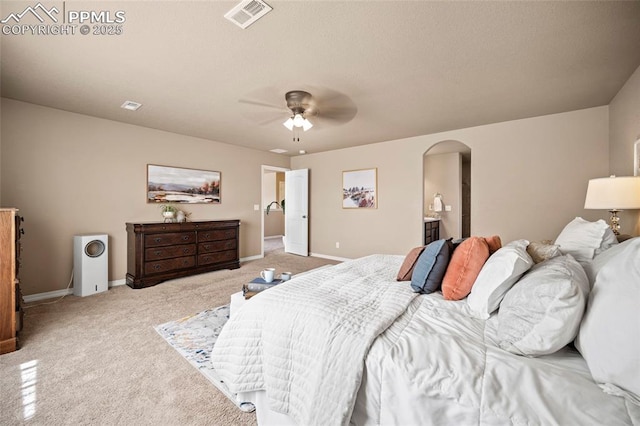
{"x":312,"y":372}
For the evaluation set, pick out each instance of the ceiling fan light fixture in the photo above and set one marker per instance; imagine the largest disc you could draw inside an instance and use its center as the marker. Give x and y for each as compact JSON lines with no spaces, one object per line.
{"x":288,"y":124}
{"x":306,"y":125}
{"x":298,"y":120}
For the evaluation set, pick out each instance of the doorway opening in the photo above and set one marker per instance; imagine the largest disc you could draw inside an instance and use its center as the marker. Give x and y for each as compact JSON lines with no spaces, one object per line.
{"x":447,"y":191}
{"x":273,"y":190}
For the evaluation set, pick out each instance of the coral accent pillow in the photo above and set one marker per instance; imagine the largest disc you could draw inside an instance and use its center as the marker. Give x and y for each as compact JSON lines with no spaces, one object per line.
{"x":464,"y":267}
{"x":494,"y":243}
{"x":406,"y":270}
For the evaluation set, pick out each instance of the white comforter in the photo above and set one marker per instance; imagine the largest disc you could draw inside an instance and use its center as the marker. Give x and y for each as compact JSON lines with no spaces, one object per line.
{"x":431,"y":363}
{"x":437,"y":365}
{"x":304,"y":341}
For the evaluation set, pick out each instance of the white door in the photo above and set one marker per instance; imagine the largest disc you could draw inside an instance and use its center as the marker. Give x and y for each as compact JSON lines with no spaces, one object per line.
{"x":296,"y":223}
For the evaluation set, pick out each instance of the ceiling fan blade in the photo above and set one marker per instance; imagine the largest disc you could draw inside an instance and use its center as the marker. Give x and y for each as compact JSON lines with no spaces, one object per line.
{"x":261,"y":104}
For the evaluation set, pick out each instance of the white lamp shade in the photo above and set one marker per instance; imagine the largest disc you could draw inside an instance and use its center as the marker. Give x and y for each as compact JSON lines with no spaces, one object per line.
{"x":306,"y":125}
{"x":298,"y":120}
{"x":613,"y":193}
{"x":288,"y":124}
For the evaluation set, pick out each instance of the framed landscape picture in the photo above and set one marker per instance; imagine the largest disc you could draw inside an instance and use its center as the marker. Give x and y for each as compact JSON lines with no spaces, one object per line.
{"x":179,"y":185}
{"x":359,"y":189}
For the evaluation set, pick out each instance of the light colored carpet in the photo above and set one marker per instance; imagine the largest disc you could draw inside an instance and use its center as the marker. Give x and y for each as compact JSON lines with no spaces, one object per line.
{"x":194,"y":337}
{"x":98,"y":360}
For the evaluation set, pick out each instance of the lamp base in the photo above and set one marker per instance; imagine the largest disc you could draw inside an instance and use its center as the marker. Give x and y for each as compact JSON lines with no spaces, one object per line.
{"x":614,"y":221}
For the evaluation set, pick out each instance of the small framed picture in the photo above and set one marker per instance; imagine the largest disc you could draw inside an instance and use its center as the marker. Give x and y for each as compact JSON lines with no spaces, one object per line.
{"x":359,"y":189}
{"x":179,"y":185}
{"x":636,"y":158}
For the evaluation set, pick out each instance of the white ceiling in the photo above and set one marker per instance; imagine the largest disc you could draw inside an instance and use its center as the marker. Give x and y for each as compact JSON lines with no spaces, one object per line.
{"x":408,"y":67}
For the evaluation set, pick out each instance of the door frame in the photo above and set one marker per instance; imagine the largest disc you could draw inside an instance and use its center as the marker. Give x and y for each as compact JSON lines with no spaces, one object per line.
{"x":265,"y":168}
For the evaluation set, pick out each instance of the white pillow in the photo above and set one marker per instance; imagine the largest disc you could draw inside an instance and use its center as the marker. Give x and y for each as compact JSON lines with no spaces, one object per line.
{"x":592,"y":268}
{"x":609,"y":337}
{"x":499,"y":273}
{"x":542,"y":312}
{"x":609,"y":240}
{"x":582,"y":238}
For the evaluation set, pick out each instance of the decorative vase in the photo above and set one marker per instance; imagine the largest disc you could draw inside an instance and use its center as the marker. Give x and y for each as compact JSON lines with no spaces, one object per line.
{"x":168,"y":216}
{"x":180,"y":217}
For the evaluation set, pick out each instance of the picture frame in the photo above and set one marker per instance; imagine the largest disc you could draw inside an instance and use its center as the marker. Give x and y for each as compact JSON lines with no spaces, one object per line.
{"x":166,"y":184}
{"x":360,"y":189}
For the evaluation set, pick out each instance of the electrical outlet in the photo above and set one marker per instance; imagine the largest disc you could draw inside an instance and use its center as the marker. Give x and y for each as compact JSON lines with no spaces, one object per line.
{"x":256,"y":207}
{"x":447,"y":208}
{"x":337,"y":245}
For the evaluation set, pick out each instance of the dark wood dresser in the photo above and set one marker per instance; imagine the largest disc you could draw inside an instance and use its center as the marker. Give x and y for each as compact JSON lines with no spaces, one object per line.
{"x":10,"y":295}
{"x":158,"y":252}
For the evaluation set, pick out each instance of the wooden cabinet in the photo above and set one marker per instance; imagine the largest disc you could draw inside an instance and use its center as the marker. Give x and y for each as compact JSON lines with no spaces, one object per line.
{"x":158,"y":252}
{"x":10,"y":296}
{"x":431,"y":230}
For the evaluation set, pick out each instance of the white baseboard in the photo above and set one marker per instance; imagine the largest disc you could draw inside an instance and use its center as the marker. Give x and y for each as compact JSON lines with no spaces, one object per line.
{"x":256,"y":257}
{"x":60,"y":293}
{"x":326,"y":256}
{"x":273,"y":237}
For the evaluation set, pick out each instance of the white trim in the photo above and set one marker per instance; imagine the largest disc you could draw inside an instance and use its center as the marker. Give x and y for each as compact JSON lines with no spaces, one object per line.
{"x":47,"y":295}
{"x":256,"y":257}
{"x":61,"y":293}
{"x":326,"y":256}
{"x":117,"y":283}
{"x":273,"y":237}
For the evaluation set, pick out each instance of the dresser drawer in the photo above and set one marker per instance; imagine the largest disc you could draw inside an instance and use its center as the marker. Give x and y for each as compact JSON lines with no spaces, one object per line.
{"x":213,"y":246}
{"x":170,"y":238}
{"x":169,"y":265}
{"x":217,"y":234}
{"x":220,"y":256}
{"x":167,"y":252}
{"x":158,"y":251}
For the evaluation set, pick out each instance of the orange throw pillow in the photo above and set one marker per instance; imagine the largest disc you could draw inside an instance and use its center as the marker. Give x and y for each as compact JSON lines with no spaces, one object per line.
{"x":464,"y":267}
{"x":494,"y":243}
{"x":406,"y":270}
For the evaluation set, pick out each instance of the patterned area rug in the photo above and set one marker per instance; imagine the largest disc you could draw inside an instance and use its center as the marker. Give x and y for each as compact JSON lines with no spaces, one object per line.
{"x":193,"y":337}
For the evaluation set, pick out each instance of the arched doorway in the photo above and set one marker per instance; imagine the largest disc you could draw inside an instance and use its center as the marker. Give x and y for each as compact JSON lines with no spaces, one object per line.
{"x":447,"y":190}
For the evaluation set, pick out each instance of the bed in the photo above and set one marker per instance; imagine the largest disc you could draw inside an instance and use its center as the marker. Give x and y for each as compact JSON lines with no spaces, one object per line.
{"x":547,"y":342}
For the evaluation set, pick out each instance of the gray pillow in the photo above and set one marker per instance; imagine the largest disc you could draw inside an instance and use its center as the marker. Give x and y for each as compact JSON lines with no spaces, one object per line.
{"x":431,"y":267}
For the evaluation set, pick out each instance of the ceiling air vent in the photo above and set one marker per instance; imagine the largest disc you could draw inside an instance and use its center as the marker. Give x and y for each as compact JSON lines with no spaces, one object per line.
{"x":247,"y":12}
{"x":131,"y":105}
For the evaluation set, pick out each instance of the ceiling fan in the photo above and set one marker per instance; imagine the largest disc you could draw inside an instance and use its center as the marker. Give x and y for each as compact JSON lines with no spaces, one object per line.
{"x":299,"y":102}
{"x":303,"y":110}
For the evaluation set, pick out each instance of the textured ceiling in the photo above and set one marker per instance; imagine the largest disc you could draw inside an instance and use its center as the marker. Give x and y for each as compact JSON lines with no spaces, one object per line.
{"x":405,"y":68}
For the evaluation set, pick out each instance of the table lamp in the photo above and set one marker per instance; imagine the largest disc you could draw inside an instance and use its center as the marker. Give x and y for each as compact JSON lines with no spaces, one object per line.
{"x":613,"y":194}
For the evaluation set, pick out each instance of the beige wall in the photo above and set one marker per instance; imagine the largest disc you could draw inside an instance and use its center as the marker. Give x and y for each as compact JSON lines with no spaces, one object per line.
{"x":624,"y":130}
{"x":273,"y":223}
{"x":529,"y":180}
{"x":72,"y":174}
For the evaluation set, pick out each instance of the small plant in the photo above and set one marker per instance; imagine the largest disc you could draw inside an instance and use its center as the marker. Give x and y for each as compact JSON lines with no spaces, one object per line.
{"x":280,"y":204}
{"x":166,"y":208}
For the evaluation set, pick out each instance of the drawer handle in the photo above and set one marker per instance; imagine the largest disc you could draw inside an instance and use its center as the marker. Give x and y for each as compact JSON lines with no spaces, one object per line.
{"x":185,"y":262}
{"x":207,"y":246}
{"x":186,"y":250}
{"x":228,"y":245}
{"x":158,"y":240}
{"x":185,"y":238}
{"x":158,"y":253}
{"x":207,"y":235}
{"x":156,"y":267}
